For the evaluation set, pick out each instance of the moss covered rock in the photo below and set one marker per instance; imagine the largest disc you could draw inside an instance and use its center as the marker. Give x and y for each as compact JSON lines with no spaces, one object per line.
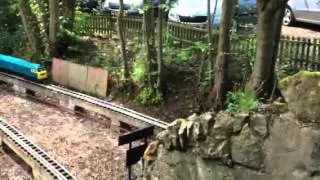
{"x":302,"y":93}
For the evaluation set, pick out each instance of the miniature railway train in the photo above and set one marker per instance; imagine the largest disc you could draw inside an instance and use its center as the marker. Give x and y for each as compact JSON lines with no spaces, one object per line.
{"x":22,"y":68}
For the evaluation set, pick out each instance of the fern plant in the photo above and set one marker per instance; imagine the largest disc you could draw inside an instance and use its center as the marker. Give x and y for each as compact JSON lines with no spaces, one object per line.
{"x":242,"y":100}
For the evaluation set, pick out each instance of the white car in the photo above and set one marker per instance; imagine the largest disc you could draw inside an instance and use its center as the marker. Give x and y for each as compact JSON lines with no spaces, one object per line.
{"x":302,"y":11}
{"x":131,"y":7}
{"x":195,"y":12}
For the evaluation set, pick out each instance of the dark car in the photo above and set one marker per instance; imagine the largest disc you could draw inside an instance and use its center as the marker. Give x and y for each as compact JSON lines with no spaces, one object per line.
{"x":131,"y":7}
{"x":88,"y":5}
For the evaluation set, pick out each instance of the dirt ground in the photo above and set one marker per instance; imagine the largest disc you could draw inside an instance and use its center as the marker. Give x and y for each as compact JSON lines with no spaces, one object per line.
{"x":302,"y":30}
{"x":9,"y":169}
{"x":86,"y":147}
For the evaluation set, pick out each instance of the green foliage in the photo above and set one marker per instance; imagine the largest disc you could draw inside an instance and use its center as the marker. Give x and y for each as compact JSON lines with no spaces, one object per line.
{"x":244,"y":47}
{"x":139,"y":71}
{"x":287,"y":69}
{"x":206,"y":79}
{"x":12,"y":42}
{"x":242,"y":100}
{"x":189,"y":57}
{"x":185,"y":55}
{"x":287,"y":66}
{"x":139,"y":60}
{"x":148,"y":96}
{"x":80,"y":20}
{"x":146,"y":7}
{"x":9,"y":18}
{"x":12,"y":35}
{"x":108,"y":56}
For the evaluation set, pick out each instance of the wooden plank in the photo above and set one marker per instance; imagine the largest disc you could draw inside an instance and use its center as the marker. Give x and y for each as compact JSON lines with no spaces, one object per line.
{"x":97,"y":81}
{"x":280,"y":56}
{"x":318,"y":50}
{"x":60,"y":71}
{"x":296,"y":57}
{"x":77,"y":76}
{"x":313,"y":56}
{"x":100,"y":25}
{"x":307,"y":54}
{"x":136,"y":135}
{"x":302,"y":54}
{"x":291,"y":51}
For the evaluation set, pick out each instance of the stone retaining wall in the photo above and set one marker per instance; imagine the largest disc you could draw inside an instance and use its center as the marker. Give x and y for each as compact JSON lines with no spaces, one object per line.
{"x":274,"y":143}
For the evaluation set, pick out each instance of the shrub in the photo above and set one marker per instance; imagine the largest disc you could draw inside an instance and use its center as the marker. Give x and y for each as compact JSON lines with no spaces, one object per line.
{"x":139,"y":61}
{"x":80,"y":20}
{"x":242,"y":100}
{"x":149,"y":97}
{"x":13,"y":42}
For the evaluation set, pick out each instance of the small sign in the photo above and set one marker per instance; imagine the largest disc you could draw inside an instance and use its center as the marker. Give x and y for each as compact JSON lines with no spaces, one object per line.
{"x":134,"y":155}
{"x":135,"y":135}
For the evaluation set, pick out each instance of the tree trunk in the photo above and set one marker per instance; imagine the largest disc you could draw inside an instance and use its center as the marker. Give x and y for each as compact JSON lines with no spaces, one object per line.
{"x":214,"y":10}
{"x":149,"y":39}
{"x":123,"y":43}
{"x":68,"y":13}
{"x":160,"y":47}
{"x":270,"y":12}
{"x":53,"y":25}
{"x":209,"y":26}
{"x":31,"y":27}
{"x":210,"y":39}
{"x":44,"y":10}
{"x":218,"y":92}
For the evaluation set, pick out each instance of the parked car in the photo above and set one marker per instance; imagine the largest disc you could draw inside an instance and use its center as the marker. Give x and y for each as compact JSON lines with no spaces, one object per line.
{"x":131,"y":7}
{"x":195,"y":12}
{"x":88,"y":5}
{"x":302,"y":11}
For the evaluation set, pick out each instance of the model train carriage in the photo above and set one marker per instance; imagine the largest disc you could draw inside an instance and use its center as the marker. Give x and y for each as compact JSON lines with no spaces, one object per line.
{"x":22,"y":67}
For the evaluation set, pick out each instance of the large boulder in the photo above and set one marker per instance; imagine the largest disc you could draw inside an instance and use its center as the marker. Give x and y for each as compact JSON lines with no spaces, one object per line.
{"x":175,"y":165}
{"x":292,"y":149}
{"x":301,"y":92}
{"x":246,"y":149}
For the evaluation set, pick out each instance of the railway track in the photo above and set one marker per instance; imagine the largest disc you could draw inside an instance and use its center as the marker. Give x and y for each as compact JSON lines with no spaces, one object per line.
{"x":43,"y":166}
{"x":91,"y":101}
{"x":111,"y":106}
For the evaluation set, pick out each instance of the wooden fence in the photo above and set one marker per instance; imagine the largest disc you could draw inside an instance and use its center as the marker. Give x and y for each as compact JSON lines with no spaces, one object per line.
{"x":294,"y":52}
{"x":187,"y":34}
{"x":300,"y":53}
{"x":106,"y":26}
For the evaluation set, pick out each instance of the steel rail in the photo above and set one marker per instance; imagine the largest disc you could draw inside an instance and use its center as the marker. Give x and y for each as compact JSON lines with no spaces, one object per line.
{"x":56,"y":170}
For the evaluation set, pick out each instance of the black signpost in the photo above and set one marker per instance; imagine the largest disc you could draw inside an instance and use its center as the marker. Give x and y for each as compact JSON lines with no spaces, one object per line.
{"x":135,"y":154}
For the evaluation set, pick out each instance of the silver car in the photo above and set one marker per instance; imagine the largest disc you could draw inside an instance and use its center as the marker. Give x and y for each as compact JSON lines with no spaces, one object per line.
{"x":194,"y":12}
{"x":130,"y":6}
{"x":302,"y":11}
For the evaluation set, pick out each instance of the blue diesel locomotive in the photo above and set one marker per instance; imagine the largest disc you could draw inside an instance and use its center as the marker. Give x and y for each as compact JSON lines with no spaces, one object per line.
{"x":22,"y":68}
